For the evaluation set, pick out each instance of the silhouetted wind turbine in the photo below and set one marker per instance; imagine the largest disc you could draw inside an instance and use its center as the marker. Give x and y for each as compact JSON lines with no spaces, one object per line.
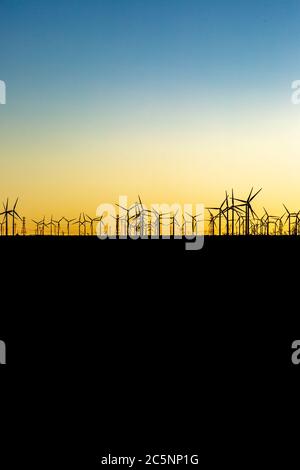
{"x":69,"y":221}
{"x":14,"y":214}
{"x":142,"y":214}
{"x":248,"y":208}
{"x":52,"y":224}
{"x":173,"y":221}
{"x":92,"y":220}
{"x":117,"y":219}
{"x":234,"y":210}
{"x":232,"y":213}
{"x":267,"y":218}
{"x":79,"y":223}
{"x":99,"y":219}
{"x":1,"y":225}
{"x":43,"y":224}
{"x":212,"y":222}
{"x":85,"y":221}
{"x":37,"y":232}
{"x":271,"y":219}
{"x":194,"y":222}
{"x":128,"y":218}
{"x":58,"y":222}
{"x":220,"y":213}
{"x":183,"y":226}
{"x":281,"y":224}
{"x":289,"y":218}
{"x":6,"y":212}
{"x":226,"y":211}
{"x":3,"y":221}
{"x":159,"y":218}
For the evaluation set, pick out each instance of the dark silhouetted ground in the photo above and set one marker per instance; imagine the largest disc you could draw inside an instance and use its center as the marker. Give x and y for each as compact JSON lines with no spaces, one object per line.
{"x":140,"y":345}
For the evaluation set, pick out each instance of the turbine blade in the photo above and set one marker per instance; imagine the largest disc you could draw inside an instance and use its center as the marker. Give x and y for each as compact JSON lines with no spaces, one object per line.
{"x":250,"y":194}
{"x":127,"y":210}
{"x":286,"y":209}
{"x":255,"y":195}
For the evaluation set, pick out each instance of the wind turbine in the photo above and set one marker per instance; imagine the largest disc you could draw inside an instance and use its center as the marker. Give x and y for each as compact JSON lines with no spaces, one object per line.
{"x":6,"y":212}
{"x":85,"y":221}
{"x":79,"y":223}
{"x":99,"y":219}
{"x":149,"y":228}
{"x":51,"y":223}
{"x":173,"y":221}
{"x":234,"y":210}
{"x":12,"y":213}
{"x":159,"y":218}
{"x":266,"y":215}
{"x":142,"y":214}
{"x":140,"y":202}
{"x":91,"y":223}
{"x":37,"y":231}
{"x":43,"y":224}
{"x":183,"y":227}
{"x":58,"y":222}
{"x":211,"y":222}
{"x":271,"y":219}
{"x":1,"y":227}
{"x":3,"y":221}
{"x":281,"y":224}
{"x":289,"y":217}
{"x":69,"y":221}
{"x":194,"y":222}
{"x":117,"y":219}
{"x":239,"y":222}
{"x":220,"y":213}
{"x":128,"y":217}
{"x":248,"y":208}
{"x":226,"y":211}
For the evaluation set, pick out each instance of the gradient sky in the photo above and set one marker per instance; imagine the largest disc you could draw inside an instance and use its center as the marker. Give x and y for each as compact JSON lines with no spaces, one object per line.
{"x":177,"y":100}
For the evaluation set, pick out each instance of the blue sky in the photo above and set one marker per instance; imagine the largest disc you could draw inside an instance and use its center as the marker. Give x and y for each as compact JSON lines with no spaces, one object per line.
{"x":64,"y":46}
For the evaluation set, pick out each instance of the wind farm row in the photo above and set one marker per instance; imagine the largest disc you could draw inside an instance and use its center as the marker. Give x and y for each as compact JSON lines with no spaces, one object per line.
{"x":233,"y":217}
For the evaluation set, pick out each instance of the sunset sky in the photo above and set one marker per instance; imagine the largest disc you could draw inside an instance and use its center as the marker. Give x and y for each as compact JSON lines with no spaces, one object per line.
{"x":177,"y":100}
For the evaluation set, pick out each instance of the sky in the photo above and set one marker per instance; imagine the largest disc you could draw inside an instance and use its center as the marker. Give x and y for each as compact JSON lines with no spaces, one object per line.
{"x":176,"y":100}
